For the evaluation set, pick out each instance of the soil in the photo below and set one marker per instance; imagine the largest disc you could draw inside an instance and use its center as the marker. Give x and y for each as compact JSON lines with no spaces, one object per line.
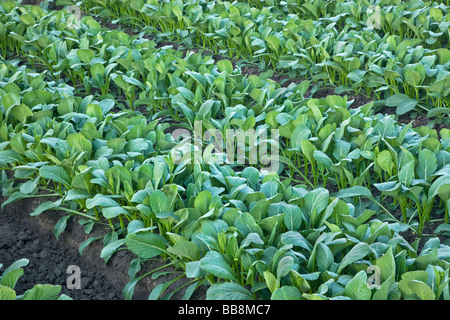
{"x":22,"y":236}
{"x":31,"y":2}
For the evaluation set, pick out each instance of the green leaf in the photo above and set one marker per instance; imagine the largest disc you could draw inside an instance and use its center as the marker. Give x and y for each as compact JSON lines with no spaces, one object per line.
{"x":292,"y":217}
{"x":322,"y":158}
{"x":159,"y":202}
{"x":403,"y":284}
{"x":296,"y":239}
{"x":60,"y":226}
{"x":384,"y":160}
{"x":357,"y":288}
{"x":10,"y":99}
{"x":225,"y":65}
{"x":20,"y":112}
{"x":406,"y":173}
{"x":396,"y":99}
{"x":79,"y":143}
{"x":427,"y":164}
{"x":324,"y":257}
{"x":356,"y":191}
{"x":437,"y":185}
{"x":42,"y":292}
{"x":8,"y":157}
{"x":406,"y":106}
{"x":202,"y":200}
{"x":111,"y":248}
{"x":273,"y":43}
{"x":48,"y":205}
{"x":386,"y":263}
{"x":215,"y":263}
{"x":316,"y":200}
{"x":10,"y":279}
{"x":270,"y":280}
{"x":101,"y":200}
{"x":403,"y":103}
{"x":358,"y":252}
{"x":85,"y":55}
{"x":7,"y":293}
{"x":145,"y":244}
{"x":300,"y":133}
{"x":284,"y":266}
{"x":421,"y":290}
{"x":228,"y":291}
{"x":55,"y":173}
{"x":382,"y":292}
{"x":286,"y":293}
{"x":185,"y":249}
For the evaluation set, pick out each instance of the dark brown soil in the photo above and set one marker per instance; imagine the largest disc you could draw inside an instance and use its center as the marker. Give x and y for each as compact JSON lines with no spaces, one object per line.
{"x":31,"y":2}
{"x":22,"y":236}
{"x":418,"y":121}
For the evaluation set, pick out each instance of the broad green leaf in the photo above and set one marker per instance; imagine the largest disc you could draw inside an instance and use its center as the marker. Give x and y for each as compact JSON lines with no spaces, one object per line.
{"x":300,"y":133}
{"x":322,"y":158}
{"x":7,"y":293}
{"x":60,"y":226}
{"x":42,"y":292}
{"x":273,"y":43}
{"x":316,"y":200}
{"x":421,"y":290}
{"x":228,"y":291}
{"x":358,"y":252}
{"x":437,"y":185}
{"x":10,"y":279}
{"x":215,"y":263}
{"x":403,"y":284}
{"x":384,"y":160}
{"x":202,"y":201}
{"x":284,"y":266}
{"x":296,"y":239}
{"x":20,"y":112}
{"x":225,"y":65}
{"x":271,"y":280}
{"x":55,"y":173}
{"x":324,"y":257}
{"x":386,"y":263}
{"x":292,"y":217}
{"x":406,"y":174}
{"x":8,"y":157}
{"x":111,"y":248}
{"x":357,"y":288}
{"x":10,"y":99}
{"x":286,"y":293}
{"x":85,"y":55}
{"x":427,"y":164}
{"x":356,"y":191}
{"x":185,"y":249}
{"x":382,"y":292}
{"x":101,"y":200}
{"x":145,"y":244}
{"x":79,"y":143}
{"x":159,"y":202}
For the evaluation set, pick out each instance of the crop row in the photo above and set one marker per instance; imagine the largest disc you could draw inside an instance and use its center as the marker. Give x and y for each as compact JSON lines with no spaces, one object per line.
{"x":382,"y":49}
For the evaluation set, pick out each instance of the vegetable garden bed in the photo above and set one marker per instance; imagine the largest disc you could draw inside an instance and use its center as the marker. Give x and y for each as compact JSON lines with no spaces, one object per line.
{"x":96,"y":94}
